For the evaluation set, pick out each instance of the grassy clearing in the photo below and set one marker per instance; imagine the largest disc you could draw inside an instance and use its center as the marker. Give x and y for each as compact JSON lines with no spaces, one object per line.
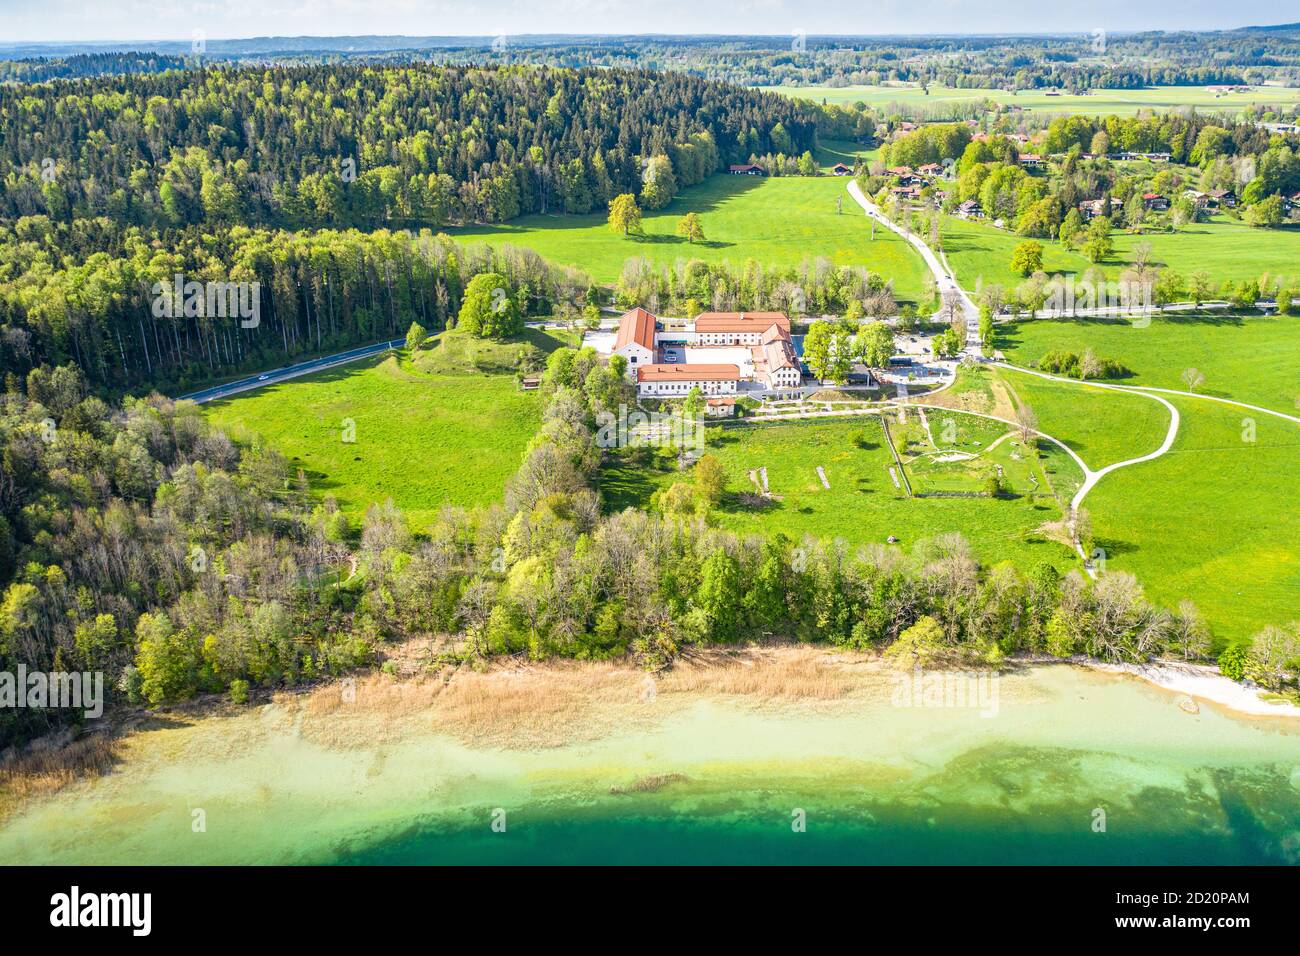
{"x":776,"y":222}
{"x":1098,"y":102}
{"x":1224,"y":249}
{"x":862,"y":505}
{"x":1102,"y":426}
{"x":1216,"y":520}
{"x":424,"y":439}
{"x":1250,"y":359}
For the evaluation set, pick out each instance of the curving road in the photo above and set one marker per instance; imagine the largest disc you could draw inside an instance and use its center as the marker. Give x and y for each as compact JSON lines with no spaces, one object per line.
{"x":292,"y":371}
{"x":943,"y":277}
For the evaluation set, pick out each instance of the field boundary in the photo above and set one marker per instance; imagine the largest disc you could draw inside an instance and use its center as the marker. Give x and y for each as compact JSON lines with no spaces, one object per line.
{"x":889,"y":440}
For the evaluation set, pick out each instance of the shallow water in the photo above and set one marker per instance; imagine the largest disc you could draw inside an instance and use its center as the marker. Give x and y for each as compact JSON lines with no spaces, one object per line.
{"x":722,"y":779}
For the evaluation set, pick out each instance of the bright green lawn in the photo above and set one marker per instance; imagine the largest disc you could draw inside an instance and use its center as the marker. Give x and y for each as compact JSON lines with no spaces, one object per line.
{"x":422,"y":440}
{"x":862,"y":505}
{"x":1101,"y":425}
{"x":1098,"y":102}
{"x":1216,"y":520}
{"x":1224,"y":249}
{"x":775,"y":221}
{"x":1254,"y":359}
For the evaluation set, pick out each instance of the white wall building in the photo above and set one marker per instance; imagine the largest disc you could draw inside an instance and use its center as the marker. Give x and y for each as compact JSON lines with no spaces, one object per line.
{"x":676,"y":381}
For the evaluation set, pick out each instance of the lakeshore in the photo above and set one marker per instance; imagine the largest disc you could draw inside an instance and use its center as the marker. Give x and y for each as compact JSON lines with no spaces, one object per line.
{"x":719,"y":760}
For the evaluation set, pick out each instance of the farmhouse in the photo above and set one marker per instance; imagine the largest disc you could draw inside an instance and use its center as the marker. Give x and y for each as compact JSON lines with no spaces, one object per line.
{"x":746,"y":169}
{"x":970,"y":209}
{"x":1155,"y":201}
{"x":839,"y":169}
{"x":678,"y":380}
{"x":930,"y":170}
{"x":1032,"y":161}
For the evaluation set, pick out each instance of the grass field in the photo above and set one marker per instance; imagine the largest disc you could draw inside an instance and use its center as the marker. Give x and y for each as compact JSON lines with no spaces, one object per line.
{"x":862,"y":505}
{"x":775,"y":221}
{"x":1253,"y":359}
{"x":422,"y":439}
{"x":1098,"y":102}
{"x":1223,"y":248}
{"x":1216,"y":520}
{"x":1102,"y":426}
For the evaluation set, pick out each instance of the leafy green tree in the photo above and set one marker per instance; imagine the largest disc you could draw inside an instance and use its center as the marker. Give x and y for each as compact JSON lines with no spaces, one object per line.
{"x":828,"y":351}
{"x":488,"y":310}
{"x":875,"y":344}
{"x":659,"y":184}
{"x":624,"y":215}
{"x":415,"y":336}
{"x":1027,"y":257}
{"x":690,"y":228}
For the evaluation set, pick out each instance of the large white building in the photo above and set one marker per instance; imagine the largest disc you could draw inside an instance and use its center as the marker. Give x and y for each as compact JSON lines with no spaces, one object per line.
{"x":676,"y":381}
{"x":737,"y":328}
{"x":715,"y":353}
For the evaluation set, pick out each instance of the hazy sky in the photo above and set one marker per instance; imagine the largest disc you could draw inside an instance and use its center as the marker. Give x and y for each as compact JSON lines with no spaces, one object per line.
{"x":22,"y":20}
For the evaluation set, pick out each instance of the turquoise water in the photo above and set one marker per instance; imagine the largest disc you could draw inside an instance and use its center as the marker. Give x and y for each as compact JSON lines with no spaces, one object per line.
{"x":712,"y":779}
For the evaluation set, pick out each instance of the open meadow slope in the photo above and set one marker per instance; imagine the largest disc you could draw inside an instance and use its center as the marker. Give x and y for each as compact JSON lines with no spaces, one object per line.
{"x":1216,"y":520}
{"x":776,"y":222}
{"x":1223,"y":248}
{"x":425,"y":435}
{"x":1102,"y":426}
{"x":1254,"y":359}
{"x":862,"y":504}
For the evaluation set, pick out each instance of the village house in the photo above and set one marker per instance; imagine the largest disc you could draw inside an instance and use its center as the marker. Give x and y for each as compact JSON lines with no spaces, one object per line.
{"x":720,"y":407}
{"x":1092,"y":208}
{"x":746,"y":169}
{"x":930,"y":170}
{"x":1032,"y":161}
{"x":970,"y":209}
{"x":839,"y":169}
{"x":1222,"y":197}
{"x":1155,"y":201}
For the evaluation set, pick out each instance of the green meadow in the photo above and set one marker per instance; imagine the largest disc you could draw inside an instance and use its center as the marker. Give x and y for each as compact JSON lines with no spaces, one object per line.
{"x":1102,"y":426}
{"x":1097,"y":102}
{"x":1224,"y":249}
{"x":445,"y":436}
{"x":862,"y":505}
{"x":775,"y":221}
{"x":1216,"y":520}
{"x":1250,"y":359}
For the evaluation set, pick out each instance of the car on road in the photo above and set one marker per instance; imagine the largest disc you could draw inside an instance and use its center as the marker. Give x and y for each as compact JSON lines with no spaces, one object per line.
{"x":263,"y":378}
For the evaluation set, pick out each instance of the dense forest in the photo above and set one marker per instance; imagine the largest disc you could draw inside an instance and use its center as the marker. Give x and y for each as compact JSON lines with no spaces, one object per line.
{"x":352,"y":145}
{"x":88,"y":292}
{"x":119,"y":190}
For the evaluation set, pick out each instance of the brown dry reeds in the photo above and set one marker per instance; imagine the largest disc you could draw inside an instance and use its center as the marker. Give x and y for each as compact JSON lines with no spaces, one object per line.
{"x":788,"y":674}
{"x":44,"y":771}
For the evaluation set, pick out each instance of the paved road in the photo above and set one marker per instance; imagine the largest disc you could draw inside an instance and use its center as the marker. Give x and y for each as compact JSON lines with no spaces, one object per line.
{"x":943,"y":278}
{"x":292,"y":371}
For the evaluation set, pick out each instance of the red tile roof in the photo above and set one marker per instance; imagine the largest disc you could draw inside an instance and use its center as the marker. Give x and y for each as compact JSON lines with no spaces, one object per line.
{"x":636,"y":326}
{"x":740,"y":321}
{"x":688,"y":373}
